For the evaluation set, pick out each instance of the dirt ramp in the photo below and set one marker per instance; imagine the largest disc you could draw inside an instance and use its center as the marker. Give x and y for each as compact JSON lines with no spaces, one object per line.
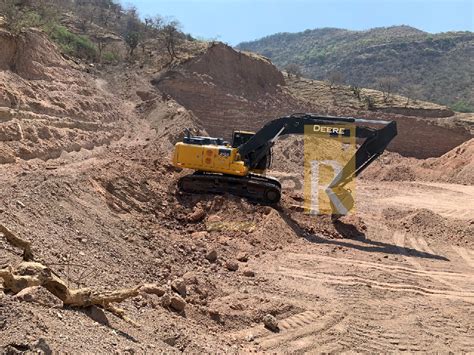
{"x":228,"y":90}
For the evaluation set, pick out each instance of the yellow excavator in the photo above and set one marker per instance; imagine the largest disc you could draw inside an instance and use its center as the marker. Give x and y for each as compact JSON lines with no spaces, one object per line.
{"x":236,"y":167}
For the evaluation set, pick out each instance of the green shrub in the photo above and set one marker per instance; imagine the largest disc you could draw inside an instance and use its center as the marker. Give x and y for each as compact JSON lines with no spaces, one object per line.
{"x":110,"y":57}
{"x":72,"y":44}
{"x":462,"y":106}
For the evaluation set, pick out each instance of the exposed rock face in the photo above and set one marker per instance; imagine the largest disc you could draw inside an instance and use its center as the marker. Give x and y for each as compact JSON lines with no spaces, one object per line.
{"x":30,"y":55}
{"x":229,"y":90}
{"x":49,"y":105}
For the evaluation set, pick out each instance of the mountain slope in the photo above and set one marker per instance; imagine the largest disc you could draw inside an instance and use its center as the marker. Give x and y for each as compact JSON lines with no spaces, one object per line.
{"x":435,"y":67}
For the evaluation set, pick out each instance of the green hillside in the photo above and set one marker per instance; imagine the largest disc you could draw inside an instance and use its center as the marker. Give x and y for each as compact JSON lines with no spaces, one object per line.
{"x":433,"y":67}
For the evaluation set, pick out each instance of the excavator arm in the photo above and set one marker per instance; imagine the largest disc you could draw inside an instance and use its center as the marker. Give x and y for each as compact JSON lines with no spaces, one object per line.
{"x":375,"y":140}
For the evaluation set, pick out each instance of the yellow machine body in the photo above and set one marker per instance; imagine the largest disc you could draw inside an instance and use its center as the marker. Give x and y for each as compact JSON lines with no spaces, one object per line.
{"x":209,"y":158}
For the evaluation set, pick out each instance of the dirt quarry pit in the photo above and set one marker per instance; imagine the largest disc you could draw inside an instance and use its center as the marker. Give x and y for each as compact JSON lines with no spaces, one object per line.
{"x":203,"y":273}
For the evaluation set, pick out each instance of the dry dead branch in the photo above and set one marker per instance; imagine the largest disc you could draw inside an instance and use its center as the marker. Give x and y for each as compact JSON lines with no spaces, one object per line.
{"x":17,"y":242}
{"x":28,"y":274}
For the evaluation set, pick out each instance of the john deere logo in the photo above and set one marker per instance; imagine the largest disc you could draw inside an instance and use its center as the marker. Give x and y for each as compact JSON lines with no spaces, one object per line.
{"x":328,"y":150}
{"x":327,"y":129}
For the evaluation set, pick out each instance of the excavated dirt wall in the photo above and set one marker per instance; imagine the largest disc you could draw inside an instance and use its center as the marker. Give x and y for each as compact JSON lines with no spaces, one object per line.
{"x":229,"y":90}
{"x":48,"y":104}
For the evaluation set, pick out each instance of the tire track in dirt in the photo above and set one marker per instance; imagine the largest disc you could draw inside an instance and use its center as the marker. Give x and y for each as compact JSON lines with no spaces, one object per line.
{"x":306,"y":330}
{"x":464,"y":254}
{"x":378,"y":266}
{"x":415,"y":300}
{"x":421,"y":245}
{"x":354,"y":280}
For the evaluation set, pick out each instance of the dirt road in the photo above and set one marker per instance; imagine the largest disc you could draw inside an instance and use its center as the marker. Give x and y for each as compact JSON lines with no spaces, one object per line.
{"x":390,"y":290}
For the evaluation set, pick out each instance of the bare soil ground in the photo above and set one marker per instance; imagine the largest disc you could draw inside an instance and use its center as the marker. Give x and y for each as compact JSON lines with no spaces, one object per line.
{"x":398,"y":275}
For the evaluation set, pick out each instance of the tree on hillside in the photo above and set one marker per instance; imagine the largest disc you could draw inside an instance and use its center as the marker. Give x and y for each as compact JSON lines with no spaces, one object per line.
{"x":335,"y":77}
{"x":134,"y":31}
{"x":154,"y":24}
{"x":387,"y":84}
{"x":293,"y":69}
{"x":172,"y":37}
{"x":356,"y":90}
{"x":412,"y":92}
{"x":87,"y":13}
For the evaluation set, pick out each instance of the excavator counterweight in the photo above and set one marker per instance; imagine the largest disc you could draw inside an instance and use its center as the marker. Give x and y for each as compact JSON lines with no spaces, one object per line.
{"x":236,"y":168}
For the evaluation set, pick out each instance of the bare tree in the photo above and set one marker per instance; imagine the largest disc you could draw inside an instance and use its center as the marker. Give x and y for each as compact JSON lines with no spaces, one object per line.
{"x":412,"y":93}
{"x":134,"y":30}
{"x":154,"y":24}
{"x":335,"y":77}
{"x":172,"y":37}
{"x":387,"y":85}
{"x":87,"y":13}
{"x":153,"y":27}
{"x":293,"y":69}
{"x":103,"y":40}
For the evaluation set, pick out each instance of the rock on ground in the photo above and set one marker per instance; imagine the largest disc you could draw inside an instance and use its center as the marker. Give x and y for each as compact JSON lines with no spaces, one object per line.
{"x":271,"y":323}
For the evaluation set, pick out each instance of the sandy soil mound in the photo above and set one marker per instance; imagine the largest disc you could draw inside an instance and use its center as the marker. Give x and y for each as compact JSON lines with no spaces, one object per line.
{"x":456,"y":166}
{"x":47,"y":104}
{"x":433,"y":227}
{"x":229,"y":90}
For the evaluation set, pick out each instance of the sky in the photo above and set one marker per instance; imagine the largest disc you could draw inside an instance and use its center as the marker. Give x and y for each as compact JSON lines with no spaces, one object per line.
{"x":235,"y":21}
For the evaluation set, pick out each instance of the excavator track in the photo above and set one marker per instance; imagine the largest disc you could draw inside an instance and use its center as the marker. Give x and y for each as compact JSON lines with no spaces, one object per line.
{"x":258,"y":188}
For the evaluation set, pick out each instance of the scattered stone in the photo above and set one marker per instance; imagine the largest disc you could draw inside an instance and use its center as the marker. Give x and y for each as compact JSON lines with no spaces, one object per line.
{"x":39,"y":295}
{"x":212,"y":256}
{"x":214,"y":218}
{"x":250,"y":337}
{"x":177,"y":303}
{"x":198,"y":235}
{"x":190,"y":278}
{"x":215,"y":315}
{"x":166,"y":300}
{"x":249,"y":273}
{"x":20,"y":204}
{"x":179,"y":285}
{"x":271,"y":323}
{"x":232,"y":265}
{"x":243,"y":257}
{"x":170,"y":340}
{"x":197,"y":215}
{"x":153,"y":289}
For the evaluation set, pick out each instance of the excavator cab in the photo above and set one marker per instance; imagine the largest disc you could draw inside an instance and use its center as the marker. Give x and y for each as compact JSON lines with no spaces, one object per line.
{"x":241,"y":137}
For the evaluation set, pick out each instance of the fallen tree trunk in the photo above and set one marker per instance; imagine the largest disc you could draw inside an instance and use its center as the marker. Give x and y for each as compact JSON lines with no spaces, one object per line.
{"x":28,"y":274}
